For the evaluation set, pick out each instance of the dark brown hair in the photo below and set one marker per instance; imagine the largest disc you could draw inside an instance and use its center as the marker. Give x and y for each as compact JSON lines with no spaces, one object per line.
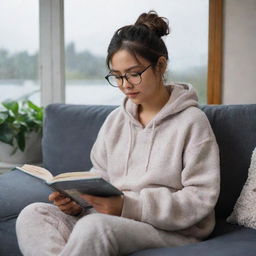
{"x":142,"y":39}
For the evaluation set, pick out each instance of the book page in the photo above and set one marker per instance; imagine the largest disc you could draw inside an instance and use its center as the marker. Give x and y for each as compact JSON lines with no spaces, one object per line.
{"x":75,"y":176}
{"x":36,"y":171}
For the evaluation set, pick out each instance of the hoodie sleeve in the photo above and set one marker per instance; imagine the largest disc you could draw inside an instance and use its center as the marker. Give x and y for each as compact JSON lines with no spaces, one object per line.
{"x":99,"y":156}
{"x":176,"y":210}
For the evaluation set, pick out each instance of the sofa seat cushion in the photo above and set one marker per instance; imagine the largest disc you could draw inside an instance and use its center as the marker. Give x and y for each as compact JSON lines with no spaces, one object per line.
{"x":234,"y":241}
{"x":9,"y":244}
{"x":17,"y":190}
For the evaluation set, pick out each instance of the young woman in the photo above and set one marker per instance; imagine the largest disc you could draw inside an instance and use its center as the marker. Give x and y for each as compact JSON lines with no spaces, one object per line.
{"x":158,"y":148}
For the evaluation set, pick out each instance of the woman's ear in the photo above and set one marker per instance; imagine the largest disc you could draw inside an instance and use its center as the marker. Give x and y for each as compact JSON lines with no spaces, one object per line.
{"x":162,"y":64}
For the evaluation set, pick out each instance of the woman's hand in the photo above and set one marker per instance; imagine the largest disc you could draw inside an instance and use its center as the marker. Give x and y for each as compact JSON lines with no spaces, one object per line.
{"x":109,"y":205}
{"x":65,"y":204}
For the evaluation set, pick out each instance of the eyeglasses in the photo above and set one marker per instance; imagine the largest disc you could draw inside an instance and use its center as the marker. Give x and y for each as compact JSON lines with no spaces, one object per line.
{"x":133,"y":78}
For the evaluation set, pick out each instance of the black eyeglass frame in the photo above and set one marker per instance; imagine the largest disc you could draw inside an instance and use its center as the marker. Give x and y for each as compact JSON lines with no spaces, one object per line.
{"x":126,"y":78}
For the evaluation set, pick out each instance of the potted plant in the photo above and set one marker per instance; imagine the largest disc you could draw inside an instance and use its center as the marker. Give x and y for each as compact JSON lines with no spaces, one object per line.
{"x":20,"y":132}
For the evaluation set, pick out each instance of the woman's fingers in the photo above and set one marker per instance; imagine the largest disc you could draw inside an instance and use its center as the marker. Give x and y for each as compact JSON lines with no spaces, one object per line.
{"x":67,"y":206}
{"x":71,"y":208}
{"x":62,"y":201}
{"x":55,"y":195}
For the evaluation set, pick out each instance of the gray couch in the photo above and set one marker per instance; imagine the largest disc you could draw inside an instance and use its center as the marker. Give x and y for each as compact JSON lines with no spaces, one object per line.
{"x":69,"y":133}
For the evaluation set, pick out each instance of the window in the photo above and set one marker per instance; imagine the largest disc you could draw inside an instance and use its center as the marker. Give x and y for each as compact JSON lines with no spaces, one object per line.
{"x":88,"y":30}
{"x":19,"y":50}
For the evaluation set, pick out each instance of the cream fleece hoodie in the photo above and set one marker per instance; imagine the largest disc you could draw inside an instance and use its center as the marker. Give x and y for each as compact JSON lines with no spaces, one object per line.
{"x":169,"y":170}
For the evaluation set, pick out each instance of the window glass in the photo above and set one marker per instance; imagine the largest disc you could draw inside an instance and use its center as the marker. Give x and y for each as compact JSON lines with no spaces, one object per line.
{"x":89,"y":27}
{"x":19,"y":27}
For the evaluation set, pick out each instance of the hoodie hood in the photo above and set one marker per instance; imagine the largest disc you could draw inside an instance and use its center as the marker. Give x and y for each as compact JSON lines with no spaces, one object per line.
{"x":182,"y":96}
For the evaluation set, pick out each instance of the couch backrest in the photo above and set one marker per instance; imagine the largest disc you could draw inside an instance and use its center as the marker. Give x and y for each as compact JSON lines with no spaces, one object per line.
{"x":235,"y":130}
{"x":70,"y":131}
{"x":68,"y":135}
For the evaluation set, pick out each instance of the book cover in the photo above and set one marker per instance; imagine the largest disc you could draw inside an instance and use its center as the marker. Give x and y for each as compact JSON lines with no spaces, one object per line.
{"x":73,"y":184}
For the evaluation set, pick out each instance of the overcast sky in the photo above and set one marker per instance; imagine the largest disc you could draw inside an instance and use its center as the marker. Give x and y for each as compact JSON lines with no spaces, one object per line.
{"x":91,"y":24}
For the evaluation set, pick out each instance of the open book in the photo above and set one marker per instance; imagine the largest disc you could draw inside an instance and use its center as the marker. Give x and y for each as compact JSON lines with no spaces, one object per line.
{"x":72,"y":184}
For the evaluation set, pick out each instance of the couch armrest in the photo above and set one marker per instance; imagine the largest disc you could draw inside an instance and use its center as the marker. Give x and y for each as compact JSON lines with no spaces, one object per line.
{"x":17,"y":190}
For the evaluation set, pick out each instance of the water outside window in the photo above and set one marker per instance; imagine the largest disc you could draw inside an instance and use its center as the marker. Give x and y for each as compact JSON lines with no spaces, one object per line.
{"x":19,"y":43}
{"x":89,"y":26}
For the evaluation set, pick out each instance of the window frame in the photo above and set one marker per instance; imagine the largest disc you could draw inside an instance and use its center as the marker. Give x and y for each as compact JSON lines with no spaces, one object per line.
{"x":52,"y":51}
{"x":215,"y":52}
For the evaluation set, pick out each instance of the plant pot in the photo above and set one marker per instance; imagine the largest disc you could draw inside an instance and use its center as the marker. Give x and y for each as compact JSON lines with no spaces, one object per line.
{"x":31,"y":154}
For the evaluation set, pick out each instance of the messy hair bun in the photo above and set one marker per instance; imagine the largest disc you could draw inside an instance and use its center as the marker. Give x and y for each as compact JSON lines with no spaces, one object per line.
{"x":142,"y":39}
{"x":151,"y":20}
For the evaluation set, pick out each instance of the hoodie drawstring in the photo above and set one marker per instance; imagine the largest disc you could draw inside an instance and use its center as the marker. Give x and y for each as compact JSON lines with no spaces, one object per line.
{"x":150,"y":146}
{"x":129,"y":150}
{"x":131,"y":145}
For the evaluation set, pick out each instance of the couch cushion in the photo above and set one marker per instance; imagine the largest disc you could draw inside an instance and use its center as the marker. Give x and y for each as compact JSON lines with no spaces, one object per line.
{"x":17,"y":190}
{"x":235,"y":241}
{"x":68,"y":135}
{"x":244,"y":212}
{"x":9,"y":244}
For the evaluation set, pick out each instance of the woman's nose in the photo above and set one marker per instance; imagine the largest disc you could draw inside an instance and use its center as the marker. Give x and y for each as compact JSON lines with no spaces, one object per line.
{"x":126,"y":84}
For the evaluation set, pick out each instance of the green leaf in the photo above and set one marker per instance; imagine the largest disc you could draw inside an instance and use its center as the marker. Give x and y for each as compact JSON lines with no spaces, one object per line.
{"x":12,"y":106}
{"x":39,"y":116}
{"x":19,"y":123}
{"x":21,"y":140}
{"x":3,"y":116}
{"x":6,"y":135}
{"x":33,"y":106}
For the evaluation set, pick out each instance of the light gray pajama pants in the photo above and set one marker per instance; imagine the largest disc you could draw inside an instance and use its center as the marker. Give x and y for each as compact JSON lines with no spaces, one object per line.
{"x":42,"y":229}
